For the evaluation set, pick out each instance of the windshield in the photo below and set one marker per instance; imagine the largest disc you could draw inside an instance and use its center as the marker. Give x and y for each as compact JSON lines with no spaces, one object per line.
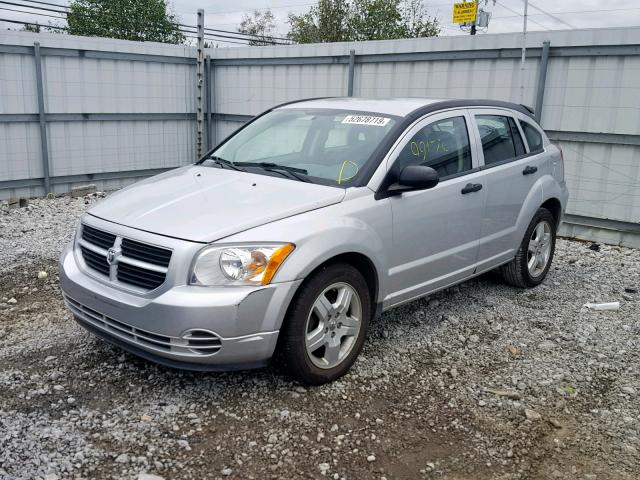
{"x":318,"y":145}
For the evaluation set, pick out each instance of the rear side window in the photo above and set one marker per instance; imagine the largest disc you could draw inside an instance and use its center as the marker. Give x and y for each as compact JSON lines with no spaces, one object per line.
{"x":534,"y":139}
{"x":500,"y":137}
{"x":442,"y":145}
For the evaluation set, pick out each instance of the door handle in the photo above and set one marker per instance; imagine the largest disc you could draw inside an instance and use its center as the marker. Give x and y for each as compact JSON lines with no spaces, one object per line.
{"x":471,"y":187}
{"x":529,"y":170}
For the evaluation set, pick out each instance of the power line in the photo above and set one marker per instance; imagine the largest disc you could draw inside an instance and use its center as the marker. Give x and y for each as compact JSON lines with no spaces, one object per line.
{"x":35,"y":8}
{"x":234,"y":35}
{"x":606,"y":10}
{"x":8,"y":20}
{"x":552,"y":16}
{"x":20,"y":22}
{"x":46,"y":3}
{"x":519,"y":15}
{"x":248,"y":34}
{"x":31,"y":13}
{"x":296,"y":5}
{"x":65,"y":28}
{"x":251,"y":36}
{"x":227,"y":12}
{"x":217,"y":40}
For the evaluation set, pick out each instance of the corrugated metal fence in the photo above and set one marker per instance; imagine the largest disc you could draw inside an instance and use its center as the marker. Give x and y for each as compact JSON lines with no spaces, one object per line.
{"x":109,"y":111}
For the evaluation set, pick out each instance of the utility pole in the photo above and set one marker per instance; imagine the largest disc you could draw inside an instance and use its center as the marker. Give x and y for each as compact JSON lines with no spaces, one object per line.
{"x":200,"y":86}
{"x":473,"y":25}
{"x":524,"y":49}
{"x":524,"y":32}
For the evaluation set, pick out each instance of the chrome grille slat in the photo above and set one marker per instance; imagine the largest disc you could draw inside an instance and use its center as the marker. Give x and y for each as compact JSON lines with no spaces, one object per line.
{"x":137,"y":264}
{"x":147,"y":253}
{"x":139,"y":277}
{"x":98,"y":237}
{"x":95,"y":260}
{"x":144,"y":265}
{"x":147,"y":339}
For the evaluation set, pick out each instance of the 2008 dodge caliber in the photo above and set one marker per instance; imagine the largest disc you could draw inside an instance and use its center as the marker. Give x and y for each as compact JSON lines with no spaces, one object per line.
{"x":289,"y":236}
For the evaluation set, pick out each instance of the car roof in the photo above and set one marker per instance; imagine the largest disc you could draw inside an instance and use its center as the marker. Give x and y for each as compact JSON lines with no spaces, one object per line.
{"x":400,"y":107}
{"x":391,"y":106}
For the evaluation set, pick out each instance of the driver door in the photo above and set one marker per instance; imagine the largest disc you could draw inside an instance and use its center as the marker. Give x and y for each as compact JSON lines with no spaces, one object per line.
{"x":436,"y":232}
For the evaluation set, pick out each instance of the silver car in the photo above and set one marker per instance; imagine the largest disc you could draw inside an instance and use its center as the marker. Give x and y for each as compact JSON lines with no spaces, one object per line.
{"x":289,"y":236}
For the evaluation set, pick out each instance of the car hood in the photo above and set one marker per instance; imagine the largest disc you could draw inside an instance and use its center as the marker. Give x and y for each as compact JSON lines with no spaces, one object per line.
{"x":203,"y":204}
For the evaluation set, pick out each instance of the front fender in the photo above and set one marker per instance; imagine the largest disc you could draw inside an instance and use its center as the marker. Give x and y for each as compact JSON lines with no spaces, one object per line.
{"x":360,"y":225}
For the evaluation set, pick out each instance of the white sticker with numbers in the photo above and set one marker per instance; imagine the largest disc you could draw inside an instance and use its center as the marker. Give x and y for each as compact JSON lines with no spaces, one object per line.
{"x":366,"y":120}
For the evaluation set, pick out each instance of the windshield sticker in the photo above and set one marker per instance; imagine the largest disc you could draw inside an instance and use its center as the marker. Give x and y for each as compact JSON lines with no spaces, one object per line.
{"x":366,"y":120}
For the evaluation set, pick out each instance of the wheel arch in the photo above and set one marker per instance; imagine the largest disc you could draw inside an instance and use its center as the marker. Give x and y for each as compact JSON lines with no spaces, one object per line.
{"x":360,"y":262}
{"x":554,"y":205}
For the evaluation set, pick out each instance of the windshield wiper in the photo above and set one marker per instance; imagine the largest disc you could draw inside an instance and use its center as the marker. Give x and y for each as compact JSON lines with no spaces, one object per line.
{"x":291,"y":172}
{"x":225,"y":163}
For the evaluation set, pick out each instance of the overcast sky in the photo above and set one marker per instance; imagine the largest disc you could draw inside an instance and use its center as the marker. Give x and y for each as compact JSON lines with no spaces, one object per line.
{"x":506,"y":14}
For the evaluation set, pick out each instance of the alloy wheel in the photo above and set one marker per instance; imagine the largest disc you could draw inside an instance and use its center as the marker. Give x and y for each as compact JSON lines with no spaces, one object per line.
{"x":539,"y":249}
{"x":333,"y":325}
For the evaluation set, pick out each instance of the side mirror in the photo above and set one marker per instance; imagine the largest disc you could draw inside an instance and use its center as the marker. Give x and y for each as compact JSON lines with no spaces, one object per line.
{"x":415,"y":177}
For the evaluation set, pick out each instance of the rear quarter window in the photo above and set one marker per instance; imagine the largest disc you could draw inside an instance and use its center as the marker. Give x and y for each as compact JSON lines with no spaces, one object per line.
{"x":501,"y":141}
{"x":533,"y":135}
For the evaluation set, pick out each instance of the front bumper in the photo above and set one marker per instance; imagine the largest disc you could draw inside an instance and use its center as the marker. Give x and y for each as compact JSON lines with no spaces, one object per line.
{"x":190,"y":327}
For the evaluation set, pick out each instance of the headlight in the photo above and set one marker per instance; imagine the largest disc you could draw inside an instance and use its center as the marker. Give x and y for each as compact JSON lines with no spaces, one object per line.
{"x":238,"y":265}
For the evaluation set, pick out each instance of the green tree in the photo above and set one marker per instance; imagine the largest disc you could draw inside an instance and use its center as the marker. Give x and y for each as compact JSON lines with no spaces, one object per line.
{"x":260,"y":24}
{"x":328,"y":21}
{"x":416,"y":22}
{"x":141,"y":20}
{"x":353,"y":20}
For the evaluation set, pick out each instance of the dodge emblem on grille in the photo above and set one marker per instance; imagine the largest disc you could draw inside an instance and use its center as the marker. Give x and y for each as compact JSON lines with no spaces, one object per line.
{"x":112,"y":253}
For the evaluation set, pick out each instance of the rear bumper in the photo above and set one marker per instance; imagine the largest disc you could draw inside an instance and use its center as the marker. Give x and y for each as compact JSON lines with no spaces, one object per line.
{"x":188,"y":327}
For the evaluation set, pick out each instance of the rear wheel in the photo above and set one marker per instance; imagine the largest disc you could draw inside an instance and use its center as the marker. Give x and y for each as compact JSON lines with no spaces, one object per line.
{"x":326,"y":325}
{"x":533,"y":260}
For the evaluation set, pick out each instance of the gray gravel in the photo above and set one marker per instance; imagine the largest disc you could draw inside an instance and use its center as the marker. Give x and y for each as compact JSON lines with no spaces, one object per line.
{"x":479,"y":381}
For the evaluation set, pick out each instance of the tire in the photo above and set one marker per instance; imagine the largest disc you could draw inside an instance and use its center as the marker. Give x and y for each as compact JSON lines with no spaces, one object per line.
{"x":316,"y":319}
{"x":518,"y":272}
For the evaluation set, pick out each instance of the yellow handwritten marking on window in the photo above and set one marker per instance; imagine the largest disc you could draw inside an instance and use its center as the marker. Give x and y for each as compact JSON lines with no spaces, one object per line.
{"x":342,"y":178}
{"x":422,"y":148}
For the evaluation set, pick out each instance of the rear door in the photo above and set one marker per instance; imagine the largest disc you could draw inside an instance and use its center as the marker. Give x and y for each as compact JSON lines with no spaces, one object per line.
{"x":511,"y":172}
{"x":436,"y":232}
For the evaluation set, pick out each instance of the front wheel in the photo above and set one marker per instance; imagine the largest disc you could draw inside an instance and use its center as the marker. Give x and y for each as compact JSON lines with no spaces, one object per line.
{"x":533,"y":259}
{"x":326,"y":325}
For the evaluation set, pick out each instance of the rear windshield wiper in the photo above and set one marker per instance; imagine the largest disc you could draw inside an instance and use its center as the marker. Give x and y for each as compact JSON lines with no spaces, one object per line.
{"x":225,"y":163}
{"x":291,"y":172}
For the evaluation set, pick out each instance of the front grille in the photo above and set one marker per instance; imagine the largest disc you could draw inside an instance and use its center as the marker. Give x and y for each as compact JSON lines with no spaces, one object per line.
{"x":95,"y":260}
{"x":193,"y":343}
{"x":146,"y":253}
{"x":138,"y":264}
{"x":98,"y":237}
{"x":139,"y":277}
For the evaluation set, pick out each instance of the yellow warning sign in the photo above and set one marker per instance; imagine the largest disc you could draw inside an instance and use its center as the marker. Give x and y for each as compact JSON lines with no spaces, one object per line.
{"x":464,"y":12}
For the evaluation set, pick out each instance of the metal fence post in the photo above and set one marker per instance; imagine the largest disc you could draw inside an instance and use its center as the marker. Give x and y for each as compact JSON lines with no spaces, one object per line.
{"x":200,"y":85}
{"x":42,"y":119}
{"x":542,"y":79}
{"x":352,"y":64}
{"x":212,"y":104}
{"x":207,"y":99}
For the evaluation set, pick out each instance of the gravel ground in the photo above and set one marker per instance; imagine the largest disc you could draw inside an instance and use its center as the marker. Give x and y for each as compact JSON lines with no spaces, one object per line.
{"x":479,"y":381}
